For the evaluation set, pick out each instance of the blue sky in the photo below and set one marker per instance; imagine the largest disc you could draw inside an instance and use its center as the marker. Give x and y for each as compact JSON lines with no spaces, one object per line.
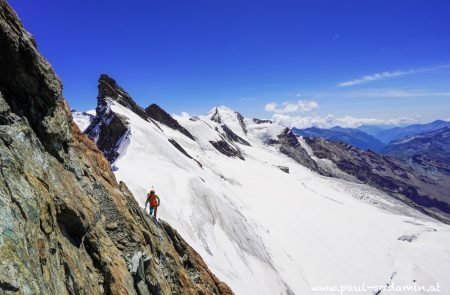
{"x":365,"y":60}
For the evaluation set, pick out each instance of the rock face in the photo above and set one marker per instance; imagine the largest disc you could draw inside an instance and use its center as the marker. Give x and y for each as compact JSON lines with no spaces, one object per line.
{"x":66,"y":225}
{"x":391,"y":175}
{"x":155,"y":112}
{"x":290,"y":146}
{"x":233,"y":136}
{"x":241,"y":122}
{"x":226,"y":149}
{"x":355,"y":137}
{"x":108,"y":129}
{"x":108,"y":87}
{"x":216,"y":117}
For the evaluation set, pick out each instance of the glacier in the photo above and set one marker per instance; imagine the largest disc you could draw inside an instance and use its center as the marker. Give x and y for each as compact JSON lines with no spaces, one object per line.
{"x":265,"y":231}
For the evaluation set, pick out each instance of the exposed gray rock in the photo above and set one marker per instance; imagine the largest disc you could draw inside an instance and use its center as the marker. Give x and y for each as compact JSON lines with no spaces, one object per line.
{"x":108,"y":87}
{"x":290,"y":146}
{"x":261,"y":121}
{"x":284,"y":169}
{"x":233,"y":136}
{"x":226,"y":149}
{"x":241,"y":122}
{"x":155,"y":112}
{"x":108,"y":129}
{"x":216,"y":117}
{"x":407,"y":238}
{"x":183,"y":151}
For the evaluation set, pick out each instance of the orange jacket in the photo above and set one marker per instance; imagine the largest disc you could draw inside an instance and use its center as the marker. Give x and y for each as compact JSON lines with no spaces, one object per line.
{"x":153,"y":200}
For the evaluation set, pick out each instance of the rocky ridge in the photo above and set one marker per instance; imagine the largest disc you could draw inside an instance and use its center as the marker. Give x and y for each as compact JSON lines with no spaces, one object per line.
{"x":290,"y":146}
{"x":388,"y":174}
{"x":155,"y":112}
{"x":109,"y":130}
{"x":351,"y":136}
{"x":66,"y":225}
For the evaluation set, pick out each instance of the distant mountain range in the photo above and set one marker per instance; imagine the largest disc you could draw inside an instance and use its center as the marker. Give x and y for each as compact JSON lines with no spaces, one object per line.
{"x":389,"y":135}
{"x":373,"y":130}
{"x":351,"y":136}
{"x":429,"y":150}
{"x":367,"y":137}
{"x":426,"y":147}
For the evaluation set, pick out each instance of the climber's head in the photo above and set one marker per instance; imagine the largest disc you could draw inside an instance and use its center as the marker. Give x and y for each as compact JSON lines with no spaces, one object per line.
{"x":152,"y":192}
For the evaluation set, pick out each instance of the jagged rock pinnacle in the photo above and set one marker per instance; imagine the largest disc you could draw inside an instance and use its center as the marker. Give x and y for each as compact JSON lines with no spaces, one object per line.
{"x":108,"y":88}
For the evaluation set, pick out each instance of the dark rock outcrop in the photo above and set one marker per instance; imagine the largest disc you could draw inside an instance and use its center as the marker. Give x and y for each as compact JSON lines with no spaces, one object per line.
{"x":226,"y":149}
{"x":155,"y":112}
{"x":183,"y":151}
{"x":262,"y":121}
{"x":108,"y":87}
{"x":290,"y":146}
{"x":388,"y":174}
{"x":109,"y":129}
{"x":66,"y":225}
{"x":233,"y":136}
{"x":216,"y":117}
{"x":284,"y":169}
{"x":179,"y":147}
{"x":241,"y":122}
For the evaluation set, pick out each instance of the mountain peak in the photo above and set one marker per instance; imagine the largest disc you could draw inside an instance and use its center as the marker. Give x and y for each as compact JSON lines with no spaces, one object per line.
{"x":108,"y":88}
{"x":220,"y":109}
{"x":227,"y":116}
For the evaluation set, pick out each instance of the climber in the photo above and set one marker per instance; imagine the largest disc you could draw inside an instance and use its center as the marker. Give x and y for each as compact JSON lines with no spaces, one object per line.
{"x":154,"y":201}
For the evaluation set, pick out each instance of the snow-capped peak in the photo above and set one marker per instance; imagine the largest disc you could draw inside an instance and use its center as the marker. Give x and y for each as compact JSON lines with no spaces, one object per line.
{"x":232,"y":119}
{"x":222,"y":109}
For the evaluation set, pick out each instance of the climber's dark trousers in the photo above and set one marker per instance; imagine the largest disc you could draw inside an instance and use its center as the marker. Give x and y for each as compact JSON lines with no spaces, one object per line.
{"x":153,"y":211}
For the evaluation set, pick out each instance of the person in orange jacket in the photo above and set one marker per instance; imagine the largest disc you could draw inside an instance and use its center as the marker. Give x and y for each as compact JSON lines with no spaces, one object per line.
{"x":154,"y":201}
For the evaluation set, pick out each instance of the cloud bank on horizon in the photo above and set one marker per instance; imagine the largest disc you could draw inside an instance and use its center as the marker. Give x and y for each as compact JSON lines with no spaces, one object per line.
{"x":294,"y":114}
{"x":330,"y":121}
{"x":288,"y":115}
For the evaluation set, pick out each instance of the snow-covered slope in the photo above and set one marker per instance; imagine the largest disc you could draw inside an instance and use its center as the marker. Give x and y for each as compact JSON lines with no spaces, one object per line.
{"x":264,"y":231}
{"x":83,"y":119}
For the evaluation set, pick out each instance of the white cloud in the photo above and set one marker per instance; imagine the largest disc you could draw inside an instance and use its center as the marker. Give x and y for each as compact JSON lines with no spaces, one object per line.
{"x":292,"y":107}
{"x":331,"y":121}
{"x":395,"y":93}
{"x":183,"y":115}
{"x":374,"y":77}
{"x":386,"y":75}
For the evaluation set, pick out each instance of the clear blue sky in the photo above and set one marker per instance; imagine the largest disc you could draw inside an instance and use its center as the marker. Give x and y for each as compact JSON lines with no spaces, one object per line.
{"x":365,"y":59}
